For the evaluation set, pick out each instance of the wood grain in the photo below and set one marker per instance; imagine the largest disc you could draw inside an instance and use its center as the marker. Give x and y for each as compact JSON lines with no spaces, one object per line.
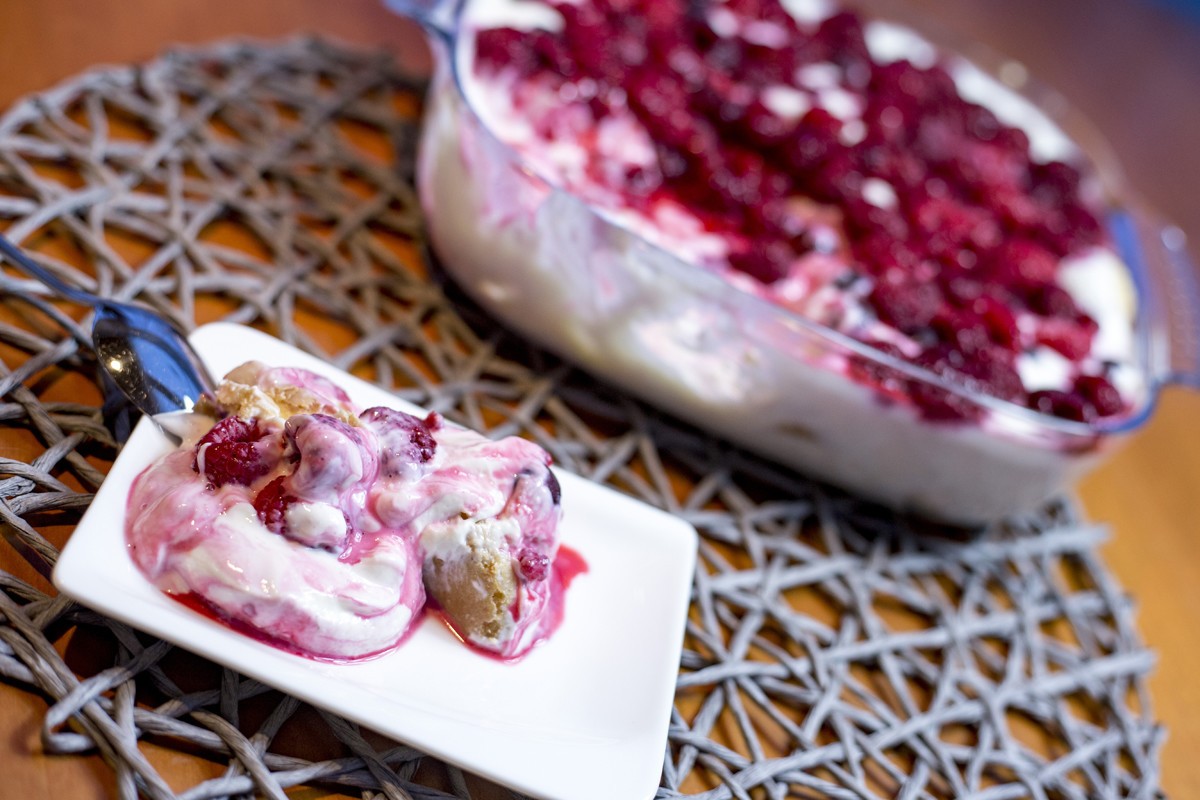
{"x":1133,"y":68}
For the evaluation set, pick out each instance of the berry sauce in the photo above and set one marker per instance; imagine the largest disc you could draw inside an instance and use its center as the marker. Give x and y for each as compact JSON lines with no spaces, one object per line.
{"x":950,"y":226}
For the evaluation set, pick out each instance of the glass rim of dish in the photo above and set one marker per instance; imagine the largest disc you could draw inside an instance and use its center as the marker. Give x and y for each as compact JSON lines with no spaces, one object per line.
{"x":443,"y":20}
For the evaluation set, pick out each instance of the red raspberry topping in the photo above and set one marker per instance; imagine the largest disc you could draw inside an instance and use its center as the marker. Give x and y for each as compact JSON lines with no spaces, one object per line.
{"x":534,"y":566}
{"x":1100,"y":394}
{"x":271,"y":503}
{"x":1061,"y":404}
{"x":977,"y":229}
{"x":906,"y":306}
{"x":405,"y":441}
{"x":233,"y":429}
{"x":1071,"y":337}
{"x":234,"y":451}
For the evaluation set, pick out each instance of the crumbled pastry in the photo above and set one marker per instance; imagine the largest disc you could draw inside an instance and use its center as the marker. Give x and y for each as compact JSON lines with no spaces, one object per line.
{"x":243,"y":393}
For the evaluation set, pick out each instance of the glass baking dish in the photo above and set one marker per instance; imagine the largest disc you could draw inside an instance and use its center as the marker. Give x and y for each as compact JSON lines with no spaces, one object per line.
{"x":575,"y":280}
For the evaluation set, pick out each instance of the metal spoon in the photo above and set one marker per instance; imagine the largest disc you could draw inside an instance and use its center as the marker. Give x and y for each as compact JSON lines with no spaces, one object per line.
{"x":147,"y":358}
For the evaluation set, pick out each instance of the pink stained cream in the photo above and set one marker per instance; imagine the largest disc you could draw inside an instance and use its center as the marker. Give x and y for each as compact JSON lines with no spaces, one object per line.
{"x":325,"y":529}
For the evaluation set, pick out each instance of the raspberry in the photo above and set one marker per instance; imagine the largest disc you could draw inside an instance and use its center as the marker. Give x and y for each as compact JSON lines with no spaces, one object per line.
{"x":960,"y":286}
{"x":553,"y":53}
{"x":1051,"y":300}
{"x":949,"y":225}
{"x":505,"y":47}
{"x":991,"y":371}
{"x":745,"y":181}
{"x":982,"y":124}
{"x":906,"y":306}
{"x":1101,"y":394}
{"x":934,"y":402}
{"x":938,"y":405}
{"x":765,"y":259}
{"x":585,"y":27}
{"x":1013,"y":139}
{"x":839,"y":179}
{"x":1013,"y":206}
{"x":1060,"y":404}
{"x":405,"y":441}
{"x":1000,"y":321}
{"x":665,"y":15}
{"x":965,"y":330}
{"x":886,"y":256}
{"x":1085,"y":227}
{"x":235,"y":462}
{"x":980,"y":168}
{"x":816,"y":137}
{"x":842,"y":34}
{"x":763,"y":127}
{"x":902,"y":169}
{"x":870,"y":371}
{"x":233,"y":429}
{"x":863,"y":219}
{"x":1020,"y":262}
{"x":1072,"y":338}
{"x":1055,"y":181}
{"x":234,"y":451}
{"x":534,"y":566}
{"x":655,"y":95}
{"x":271,"y":503}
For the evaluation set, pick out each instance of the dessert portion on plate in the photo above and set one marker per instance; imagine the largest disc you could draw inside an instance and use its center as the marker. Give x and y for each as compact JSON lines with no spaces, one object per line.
{"x":815,"y":234}
{"x":323,"y":528}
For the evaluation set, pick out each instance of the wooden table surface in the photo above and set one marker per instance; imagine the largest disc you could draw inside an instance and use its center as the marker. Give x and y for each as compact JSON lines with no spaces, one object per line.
{"x":1133,"y":67}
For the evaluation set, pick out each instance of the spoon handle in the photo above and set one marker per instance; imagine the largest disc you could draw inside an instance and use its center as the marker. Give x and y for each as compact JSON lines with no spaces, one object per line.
{"x":17,"y":257}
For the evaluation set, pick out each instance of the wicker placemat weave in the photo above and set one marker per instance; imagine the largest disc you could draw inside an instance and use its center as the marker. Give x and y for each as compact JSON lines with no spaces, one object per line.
{"x":832,"y":651}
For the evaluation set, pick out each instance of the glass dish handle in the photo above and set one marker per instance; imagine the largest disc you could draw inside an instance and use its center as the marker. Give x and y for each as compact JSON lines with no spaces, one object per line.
{"x":1183,"y":308}
{"x":1168,"y":280}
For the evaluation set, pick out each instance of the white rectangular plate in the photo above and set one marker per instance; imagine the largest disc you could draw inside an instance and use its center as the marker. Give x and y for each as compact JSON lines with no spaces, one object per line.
{"x":582,"y":716}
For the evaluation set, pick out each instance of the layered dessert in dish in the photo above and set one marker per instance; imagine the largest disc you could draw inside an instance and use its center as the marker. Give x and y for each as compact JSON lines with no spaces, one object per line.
{"x":815,"y":234}
{"x":325,"y":529}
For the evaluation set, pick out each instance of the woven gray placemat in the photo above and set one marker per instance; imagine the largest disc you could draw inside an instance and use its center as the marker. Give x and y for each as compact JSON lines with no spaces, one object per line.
{"x":832,"y":650}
